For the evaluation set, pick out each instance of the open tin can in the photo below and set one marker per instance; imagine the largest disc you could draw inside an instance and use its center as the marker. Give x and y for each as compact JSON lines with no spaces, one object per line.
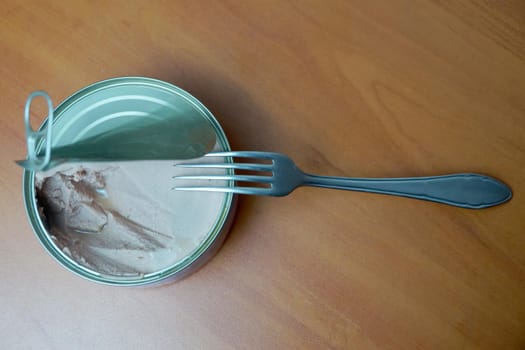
{"x":202,"y":219}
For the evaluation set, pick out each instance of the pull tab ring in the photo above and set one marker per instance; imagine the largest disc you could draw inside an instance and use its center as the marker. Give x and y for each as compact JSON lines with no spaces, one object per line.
{"x":33,"y":137}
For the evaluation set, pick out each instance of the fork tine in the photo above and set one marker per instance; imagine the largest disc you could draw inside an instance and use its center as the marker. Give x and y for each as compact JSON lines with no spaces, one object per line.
{"x":238,"y":190}
{"x":244,"y":154}
{"x":250,"y":190}
{"x":239,"y":166}
{"x":244,"y":178}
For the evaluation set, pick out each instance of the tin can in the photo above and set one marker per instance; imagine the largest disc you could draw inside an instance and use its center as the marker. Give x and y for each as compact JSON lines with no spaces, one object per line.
{"x":106,"y":105}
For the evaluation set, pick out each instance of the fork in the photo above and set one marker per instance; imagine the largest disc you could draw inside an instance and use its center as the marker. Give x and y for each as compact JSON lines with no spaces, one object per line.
{"x":281,"y":176}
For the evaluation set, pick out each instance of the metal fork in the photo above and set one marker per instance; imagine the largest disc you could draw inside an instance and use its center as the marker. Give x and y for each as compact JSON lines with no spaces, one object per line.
{"x":464,"y":190}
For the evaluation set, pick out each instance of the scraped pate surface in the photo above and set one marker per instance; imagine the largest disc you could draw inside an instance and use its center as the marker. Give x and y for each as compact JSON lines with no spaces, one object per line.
{"x":124,"y":218}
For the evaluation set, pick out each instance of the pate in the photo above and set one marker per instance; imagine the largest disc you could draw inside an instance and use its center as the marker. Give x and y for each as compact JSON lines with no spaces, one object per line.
{"x":123,"y":219}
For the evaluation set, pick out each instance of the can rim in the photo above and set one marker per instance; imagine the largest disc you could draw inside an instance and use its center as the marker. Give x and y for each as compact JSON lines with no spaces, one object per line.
{"x":199,"y":256}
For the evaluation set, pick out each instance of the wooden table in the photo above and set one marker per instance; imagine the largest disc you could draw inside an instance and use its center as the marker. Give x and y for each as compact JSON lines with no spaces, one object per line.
{"x":356,"y":88}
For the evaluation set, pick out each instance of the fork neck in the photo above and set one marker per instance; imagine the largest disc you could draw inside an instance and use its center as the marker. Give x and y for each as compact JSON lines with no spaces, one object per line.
{"x":330,"y":181}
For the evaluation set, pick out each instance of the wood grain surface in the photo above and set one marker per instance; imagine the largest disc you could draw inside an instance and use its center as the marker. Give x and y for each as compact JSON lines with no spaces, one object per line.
{"x":355,"y":88}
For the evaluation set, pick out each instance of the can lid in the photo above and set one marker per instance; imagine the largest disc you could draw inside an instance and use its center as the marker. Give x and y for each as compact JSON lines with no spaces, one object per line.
{"x":135,"y":120}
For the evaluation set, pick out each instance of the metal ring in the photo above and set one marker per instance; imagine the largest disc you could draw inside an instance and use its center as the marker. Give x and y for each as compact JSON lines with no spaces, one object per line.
{"x":33,"y":137}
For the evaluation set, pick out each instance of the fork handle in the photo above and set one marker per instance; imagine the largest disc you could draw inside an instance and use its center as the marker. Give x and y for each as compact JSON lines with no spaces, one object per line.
{"x":465,"y":190}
